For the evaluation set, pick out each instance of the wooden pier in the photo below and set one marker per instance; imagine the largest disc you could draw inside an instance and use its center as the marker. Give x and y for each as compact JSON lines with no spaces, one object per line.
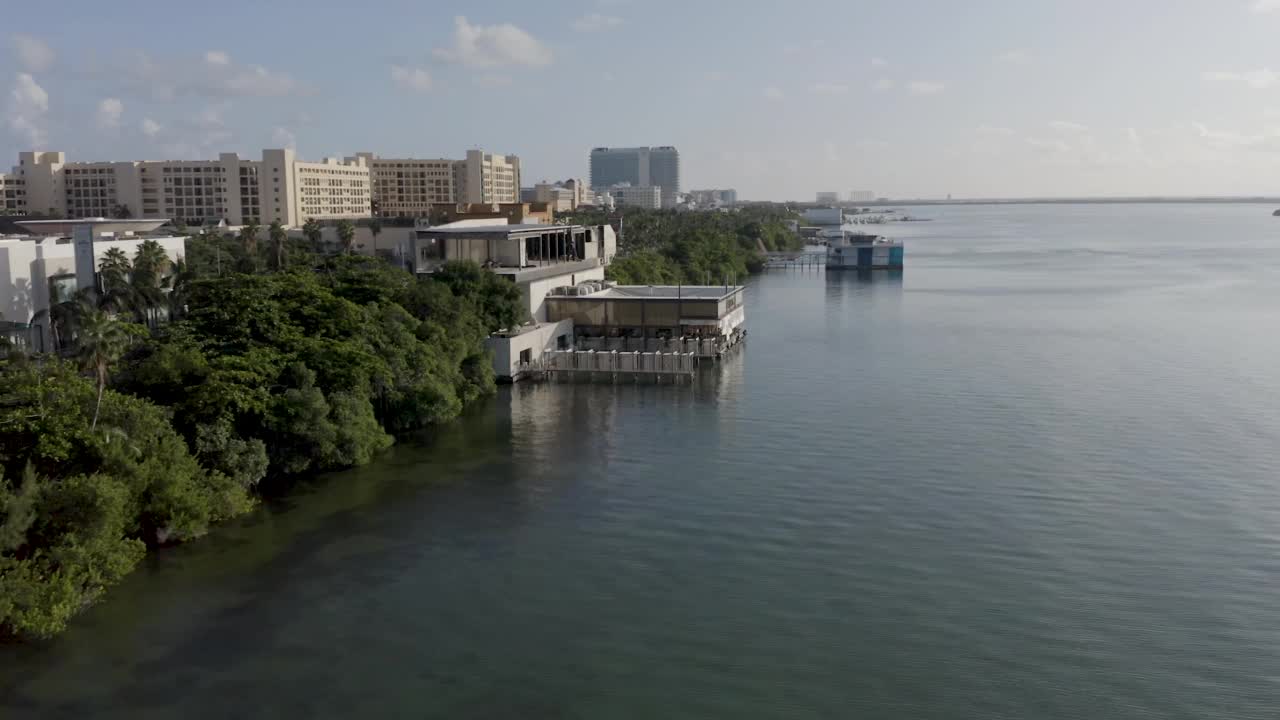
{"x":795,"y":260}
{"x":614,"y":365}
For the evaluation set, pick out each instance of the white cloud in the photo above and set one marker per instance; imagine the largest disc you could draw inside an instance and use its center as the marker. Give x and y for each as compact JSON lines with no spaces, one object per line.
{"x":1135,"y":138}
{"x":28,"y":104}
{"x":212,"y":75}
{"x":1260,"y":79}
{"x":1016,"y":56}
{"x":204,"y":131}
{"x":198,"y":135}
{"x":492,"y":80}
{"x":772,"y":93}
{"x":150,"y":127}
{"x":882,"y":84}
{"x":596,"y":22}
{"x":283,"y":137}
{"x":1066,"y":126}
{"x":994,"y":130}
{"x":1053,"y":145}
{"x":879,"y":62}
{"x":1264,"y":6}
{"x":1268,"y":140}
{"x":109,"y":112}
{"x":924,"y":87}
{"x":493,"y":46}
{"x":33,"y":53}
{"x":411,"y":78}
{"x":827,"y":88}
{"x":1076,"y":146}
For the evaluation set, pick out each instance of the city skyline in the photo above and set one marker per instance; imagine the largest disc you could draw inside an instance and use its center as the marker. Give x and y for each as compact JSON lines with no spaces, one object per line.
{"x":1046,"y":101}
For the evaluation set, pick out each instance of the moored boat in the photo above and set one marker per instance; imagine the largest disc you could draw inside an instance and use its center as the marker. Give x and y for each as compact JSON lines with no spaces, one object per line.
{"x":863,"y":251}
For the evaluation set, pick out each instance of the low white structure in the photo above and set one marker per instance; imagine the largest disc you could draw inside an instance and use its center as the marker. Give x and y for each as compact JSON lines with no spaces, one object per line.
{"x":59,"y":258}
{"x":642,"y":196}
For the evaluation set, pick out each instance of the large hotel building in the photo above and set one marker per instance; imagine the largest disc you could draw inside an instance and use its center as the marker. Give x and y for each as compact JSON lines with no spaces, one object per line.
{"x":241,"y":191}
{"x":408,"y":187}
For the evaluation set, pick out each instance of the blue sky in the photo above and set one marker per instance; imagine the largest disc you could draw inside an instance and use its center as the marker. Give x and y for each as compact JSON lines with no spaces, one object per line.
{"x":908,"y":99}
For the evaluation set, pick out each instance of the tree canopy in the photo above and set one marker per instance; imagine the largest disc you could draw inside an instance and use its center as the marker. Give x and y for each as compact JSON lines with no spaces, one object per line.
{"x":248,"y":380}
{"x":667,"y":246}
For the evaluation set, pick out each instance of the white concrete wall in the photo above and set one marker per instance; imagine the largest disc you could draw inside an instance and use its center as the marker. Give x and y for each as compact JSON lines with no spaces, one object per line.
{"x":506,"y":350}
{"x":26,"y":265}
{"x":508,"y":253}
{"x":610,"y":244}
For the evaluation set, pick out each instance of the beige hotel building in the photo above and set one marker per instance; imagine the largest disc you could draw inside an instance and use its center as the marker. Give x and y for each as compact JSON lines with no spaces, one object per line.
{"x":239,"y":190}
{"x":408,"y":187}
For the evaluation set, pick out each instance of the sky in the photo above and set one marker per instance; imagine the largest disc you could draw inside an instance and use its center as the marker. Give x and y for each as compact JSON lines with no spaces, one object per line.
{"x":908,"y":99}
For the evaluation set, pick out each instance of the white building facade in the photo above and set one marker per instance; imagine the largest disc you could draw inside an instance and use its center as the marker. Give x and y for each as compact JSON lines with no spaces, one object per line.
{"x":49,"y":266}
{"x":409,"y":187}
{"x":241,"y":191}
{"x":650,"y":197}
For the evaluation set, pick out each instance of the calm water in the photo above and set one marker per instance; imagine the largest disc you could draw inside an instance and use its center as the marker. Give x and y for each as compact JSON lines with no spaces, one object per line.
{"x":1037,"y":476}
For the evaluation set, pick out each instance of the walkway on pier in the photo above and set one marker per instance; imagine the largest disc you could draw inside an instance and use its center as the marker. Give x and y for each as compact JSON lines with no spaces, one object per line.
{"x":794,"y":260}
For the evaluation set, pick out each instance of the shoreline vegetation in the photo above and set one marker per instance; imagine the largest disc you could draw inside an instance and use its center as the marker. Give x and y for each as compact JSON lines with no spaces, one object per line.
{"x":666,"y":247}
{"x":185,"y":391}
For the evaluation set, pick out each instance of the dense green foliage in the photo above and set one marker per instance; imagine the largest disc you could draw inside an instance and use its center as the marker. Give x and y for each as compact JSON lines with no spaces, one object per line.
{"x":667,"y":246}
{"x":250,"y":379}
{"x":78,"y":505}
{"x":319,"y":367}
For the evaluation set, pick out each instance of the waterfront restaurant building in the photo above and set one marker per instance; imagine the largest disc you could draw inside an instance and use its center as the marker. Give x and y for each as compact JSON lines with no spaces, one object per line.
{"x":703,"y":319}
{"x":538,"y":259}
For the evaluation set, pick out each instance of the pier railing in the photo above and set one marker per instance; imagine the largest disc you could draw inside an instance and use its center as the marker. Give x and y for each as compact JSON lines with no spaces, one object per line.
{"x":703,"y":347}
{"x":613,"y":363}
{"x":794,"y":260}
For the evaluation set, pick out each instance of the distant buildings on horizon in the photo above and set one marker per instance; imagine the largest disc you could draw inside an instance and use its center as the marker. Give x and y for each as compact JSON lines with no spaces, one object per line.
{"x":638,"y":167}
{"x":855,"y":196}
{"x":281,"y":187}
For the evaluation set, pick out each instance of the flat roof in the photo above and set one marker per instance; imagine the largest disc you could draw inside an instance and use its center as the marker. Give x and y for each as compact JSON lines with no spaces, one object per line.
{"x":526,"y":227}
{"x":659,"y":292}
{"x":100,"y":225}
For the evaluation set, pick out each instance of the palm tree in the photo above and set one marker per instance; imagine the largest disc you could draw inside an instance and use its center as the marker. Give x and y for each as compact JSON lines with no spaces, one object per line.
{"x":114,"y":273}
{"x":375,"y":229}
{"x":278,"y":239}
{"x":347,"y":234}
{"x":102,"y":341}
{"x":121,"y":212}
{"x":313,"y":230}
{"x":64,"y":317}
{"x":113,"y":270}
{"x":249,"y":239}
{"x":179,"y":285}
{"x":149,"y":280}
